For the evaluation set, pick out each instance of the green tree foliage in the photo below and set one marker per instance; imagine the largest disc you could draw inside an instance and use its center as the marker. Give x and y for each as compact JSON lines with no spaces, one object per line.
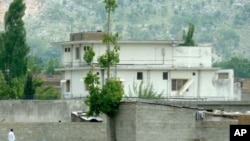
{"x":47,"y":93}
{"x":43,"y":92}
{"x":188,"y":38}
{"x":2,"y":86}
{"x":51,"y":65}
{"x":242,"y":17}
{"x":147,"y":92}
{"x":111,"y":95}
{"x":93,"y":100}
{"x":29,"y":89}
{"x":35,"y":64}
{"x":112,"y":56}
{"x":13,"y":92}
{"x":240,"y":66}
{"x":227,"y":41}
{"x":15,"y":49}
{"x":106,"y":99}
{"x":89,"y":55}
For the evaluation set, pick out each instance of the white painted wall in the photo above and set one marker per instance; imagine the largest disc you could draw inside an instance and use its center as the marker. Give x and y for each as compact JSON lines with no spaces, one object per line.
{"x":144,"y":53}
{"x":153,"y":58}
{"x":204,"y":84}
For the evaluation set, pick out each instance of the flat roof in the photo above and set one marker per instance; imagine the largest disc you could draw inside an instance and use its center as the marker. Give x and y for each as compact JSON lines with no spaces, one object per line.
{"x":145,"y":67}
{"x":121,"y":41}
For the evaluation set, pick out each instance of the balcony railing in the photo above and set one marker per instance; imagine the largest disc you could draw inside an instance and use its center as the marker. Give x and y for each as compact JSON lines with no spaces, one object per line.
{"x":73,"y":64}
{"x":168,"y":63}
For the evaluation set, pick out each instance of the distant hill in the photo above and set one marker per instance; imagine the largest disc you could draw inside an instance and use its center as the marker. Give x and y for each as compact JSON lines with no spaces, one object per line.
{"x":225,"y":24}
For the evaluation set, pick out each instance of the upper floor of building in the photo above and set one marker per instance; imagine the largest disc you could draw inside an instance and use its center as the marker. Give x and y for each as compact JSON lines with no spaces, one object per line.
{"x":155,"y":53}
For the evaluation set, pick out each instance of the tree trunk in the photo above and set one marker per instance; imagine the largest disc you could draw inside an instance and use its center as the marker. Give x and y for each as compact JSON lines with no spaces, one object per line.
{"x":111,"y":128}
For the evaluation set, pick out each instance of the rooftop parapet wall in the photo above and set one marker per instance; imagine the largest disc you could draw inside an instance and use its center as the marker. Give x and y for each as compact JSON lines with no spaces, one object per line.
{"x":86,"y":36}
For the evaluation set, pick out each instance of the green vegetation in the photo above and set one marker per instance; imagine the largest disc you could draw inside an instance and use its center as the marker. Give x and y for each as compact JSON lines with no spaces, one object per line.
{"x":240,"y":66}
{"x":15,"y":49}
{"x":145,"y":92}
{"x":47,"y":93}
{"x":29,"y":89}
{"x":140,"y":20}
{"x":14,"y":60}
{"x":227,"y":42}
{"x":107,"y":98}
{"x":188,"y":38}
{"x":51,"y":65}
{"x":89,"y":55}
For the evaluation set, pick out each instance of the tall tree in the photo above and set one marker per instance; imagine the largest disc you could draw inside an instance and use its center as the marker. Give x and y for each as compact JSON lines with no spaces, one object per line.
{"x":107,"y":98}
{"x":112,"y":56}
{"x":15,"y":48}
{"x":29,"y":89}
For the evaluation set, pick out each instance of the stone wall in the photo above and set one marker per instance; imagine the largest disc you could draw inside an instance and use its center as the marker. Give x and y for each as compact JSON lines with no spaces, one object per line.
{"x":77,"y":131}
{"x":217,"y":130}
{"x":158,"y":123}
{"x":136,"y":121}
{"x":149,"y":122}
{"x":39,"y":111}
{"x":126,"y":122}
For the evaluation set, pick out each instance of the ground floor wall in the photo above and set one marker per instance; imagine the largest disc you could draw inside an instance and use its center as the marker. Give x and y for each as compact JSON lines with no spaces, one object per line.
{"x":136,"y":121}
{"x":192,"y":84}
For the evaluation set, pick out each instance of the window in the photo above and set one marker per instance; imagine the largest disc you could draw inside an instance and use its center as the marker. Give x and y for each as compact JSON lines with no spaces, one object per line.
{"x":139,"y":75}
{"x":177,"y":84}
{"x":77,"y":53}
{"x":68,"y":86}
{"x":165,"y":75}
{"x":223,"y":75}
{"x":67,"y":49}
{"x":85,"y":48}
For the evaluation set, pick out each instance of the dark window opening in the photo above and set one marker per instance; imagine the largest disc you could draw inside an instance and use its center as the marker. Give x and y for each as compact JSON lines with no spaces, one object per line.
{"x":139,"y":75}
{"x":68,"y":86}
{"x":178,"y":83}
{"x":223,"y":75}
{"x":67,"y":49}
{"x":85,"y":48}
{"x":77,"y":53}
{"x":165,"y":76}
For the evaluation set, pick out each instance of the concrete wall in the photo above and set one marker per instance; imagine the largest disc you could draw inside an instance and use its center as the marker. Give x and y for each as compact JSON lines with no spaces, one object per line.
{"x":158,"y":123}
{"x":64,"y":131}
{"x":126,"y":122}
{"x":214,"y":130}
{"x":39,"y":111}
{"x":38,"y":121}
{"x":148,"y":122}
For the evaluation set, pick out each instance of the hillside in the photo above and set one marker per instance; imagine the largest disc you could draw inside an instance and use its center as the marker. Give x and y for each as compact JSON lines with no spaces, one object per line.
{"x":223,"y":23}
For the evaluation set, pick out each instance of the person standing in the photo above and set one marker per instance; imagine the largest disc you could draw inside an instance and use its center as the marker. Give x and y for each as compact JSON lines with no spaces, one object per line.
{"x":11,"y":136}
